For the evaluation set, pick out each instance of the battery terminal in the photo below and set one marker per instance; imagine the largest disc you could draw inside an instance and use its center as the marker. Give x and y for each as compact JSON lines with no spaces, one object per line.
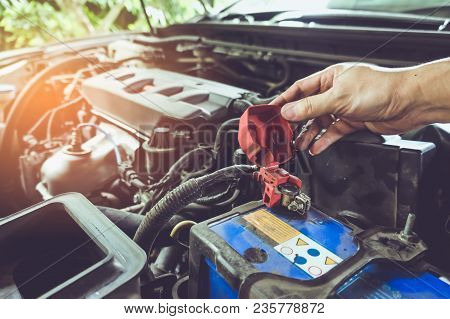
{"x":281,"y":188}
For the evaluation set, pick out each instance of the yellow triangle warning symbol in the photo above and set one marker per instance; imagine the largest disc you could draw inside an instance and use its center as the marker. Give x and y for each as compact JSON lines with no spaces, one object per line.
{"x":329,"y":261}
{"x":301,"y":242}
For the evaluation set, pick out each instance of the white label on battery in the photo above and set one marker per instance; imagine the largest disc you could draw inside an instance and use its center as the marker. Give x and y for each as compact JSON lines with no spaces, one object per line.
{"x":308,"y":255}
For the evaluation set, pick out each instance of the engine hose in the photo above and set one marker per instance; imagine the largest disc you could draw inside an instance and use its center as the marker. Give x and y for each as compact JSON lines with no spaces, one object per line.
{"x":240,"y":105}
{"x":220,"y":136}
{"x":179,"y":165}
{"x":127,"y":222}
{"x":194,"y":208}
{"x":230,"y":200}
{"x":174,"y":171}
{"x":287,"y":75}
{"x":184,"y":160}
{"x":179,"y":197}
{"x":256,"y":99}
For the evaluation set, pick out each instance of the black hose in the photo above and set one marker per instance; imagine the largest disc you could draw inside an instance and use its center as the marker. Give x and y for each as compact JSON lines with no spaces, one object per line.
{"x":286,"y":76}
{"x":194,"y":207}
{"x":184,"y":160}
{"x":230,"y":124}
{"x":127,"y":222}
{"x":178,"y":166}
{"x":229,"y":201}
{"x":173,"y":172}
{"x":181,"y":196}
{"x":205,"y":170}
{"x":256,"y":99}
{"x":161,"y":213}
{"x":171,"y":223}
{"x":240,"y":105}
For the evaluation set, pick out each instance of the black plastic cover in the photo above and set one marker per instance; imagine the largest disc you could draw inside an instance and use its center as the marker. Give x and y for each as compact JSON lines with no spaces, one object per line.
{"x":391,"y":172}
{"x":66,"y":248}
{"x":140,"y":98}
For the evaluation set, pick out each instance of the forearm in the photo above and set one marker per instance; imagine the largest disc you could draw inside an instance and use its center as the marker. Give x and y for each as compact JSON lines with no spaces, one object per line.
{"x":428,"y":88}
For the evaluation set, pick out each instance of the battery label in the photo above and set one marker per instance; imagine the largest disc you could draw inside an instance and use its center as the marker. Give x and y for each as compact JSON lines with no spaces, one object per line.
{"x":301,"y":250}
{"x":308,"y":255}
{"x":271,"y":226}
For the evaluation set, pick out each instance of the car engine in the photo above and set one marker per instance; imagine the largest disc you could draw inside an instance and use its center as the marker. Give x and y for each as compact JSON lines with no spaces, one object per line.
{"x":149,"y":118}
{"x":138,"y":140}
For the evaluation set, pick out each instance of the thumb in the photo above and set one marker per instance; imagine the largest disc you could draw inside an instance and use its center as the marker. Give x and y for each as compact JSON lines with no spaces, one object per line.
{"x":308,"y":108}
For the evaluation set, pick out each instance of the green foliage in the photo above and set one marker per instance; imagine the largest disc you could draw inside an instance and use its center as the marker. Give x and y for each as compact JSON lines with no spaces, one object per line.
{"x":30,"y":23}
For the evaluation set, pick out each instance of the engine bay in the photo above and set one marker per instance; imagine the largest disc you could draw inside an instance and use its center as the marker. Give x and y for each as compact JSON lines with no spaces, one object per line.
{"x":146,"y":130}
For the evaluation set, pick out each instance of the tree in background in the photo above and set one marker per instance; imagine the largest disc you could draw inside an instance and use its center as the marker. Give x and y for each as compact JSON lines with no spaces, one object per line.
{"x":29,"y":23}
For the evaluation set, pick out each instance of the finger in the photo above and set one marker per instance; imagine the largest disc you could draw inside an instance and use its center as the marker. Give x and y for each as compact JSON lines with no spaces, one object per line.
{"x":317,"y":82}
{"x":314,"y":127}
{"x":334,"y":132}
{"x":309,"y":107}
{"x":325,"y":120}
{"x":308,"y":133}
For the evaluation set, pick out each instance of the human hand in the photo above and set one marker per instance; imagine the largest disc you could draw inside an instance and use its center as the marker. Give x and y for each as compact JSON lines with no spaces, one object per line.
{"x":348,"y":97}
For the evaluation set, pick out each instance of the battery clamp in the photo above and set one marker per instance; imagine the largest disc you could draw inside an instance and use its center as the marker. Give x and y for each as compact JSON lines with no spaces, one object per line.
{"x":266,"y":138}
{"x":281,"y":188}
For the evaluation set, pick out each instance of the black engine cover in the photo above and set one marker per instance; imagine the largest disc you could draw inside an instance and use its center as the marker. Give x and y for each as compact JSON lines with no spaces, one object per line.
{"x":141,"y":98}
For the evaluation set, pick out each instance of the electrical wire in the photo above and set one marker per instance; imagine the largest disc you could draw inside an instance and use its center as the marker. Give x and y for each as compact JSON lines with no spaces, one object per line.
{"x":56,"y":110}
{"x":229,"y":124}
{"x":172,"y":177}
{"x":175,"y":170}
{"x":213,"y":199}
{"x":51,"y":113}
{"x":182,"y":195}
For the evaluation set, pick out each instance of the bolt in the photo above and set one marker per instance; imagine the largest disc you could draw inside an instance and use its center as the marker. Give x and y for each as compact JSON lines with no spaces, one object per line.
{"x":137,"y":198}
{"x":407,"y":233}
{"x":293,"y":206}
{"x":409,"y":224}
{"x":75,"y":141}
{"x":300,"y":204}
{"x":76,"y":144}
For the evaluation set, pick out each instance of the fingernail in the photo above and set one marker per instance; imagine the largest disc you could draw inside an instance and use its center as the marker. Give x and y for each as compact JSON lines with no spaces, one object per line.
{"x":310,"y":153}
{"x":288,"y":111}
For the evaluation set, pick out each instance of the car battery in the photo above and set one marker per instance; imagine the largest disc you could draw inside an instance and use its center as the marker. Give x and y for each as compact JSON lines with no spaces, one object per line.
{"x":260,"y":252}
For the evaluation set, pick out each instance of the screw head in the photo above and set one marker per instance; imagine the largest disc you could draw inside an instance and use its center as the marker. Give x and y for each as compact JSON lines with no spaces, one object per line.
{"x":137,"y":198}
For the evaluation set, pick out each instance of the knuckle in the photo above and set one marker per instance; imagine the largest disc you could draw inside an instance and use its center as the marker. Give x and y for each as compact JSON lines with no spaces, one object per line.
{"x":308,"y":108}
{"x":325,"y":139}
{"x":339,"y":129}
{"x":298,"y":85}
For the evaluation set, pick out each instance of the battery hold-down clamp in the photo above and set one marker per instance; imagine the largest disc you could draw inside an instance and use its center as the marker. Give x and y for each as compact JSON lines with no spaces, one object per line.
{"x":266,"y":137}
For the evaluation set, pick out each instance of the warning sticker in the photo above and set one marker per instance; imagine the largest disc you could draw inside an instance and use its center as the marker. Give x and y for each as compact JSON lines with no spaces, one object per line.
{"x":271,"y":226}
{"x":301,"y":250}
{"x":308,"y":255}
{"x":329,"y":261}
{"x":301,"y":242}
